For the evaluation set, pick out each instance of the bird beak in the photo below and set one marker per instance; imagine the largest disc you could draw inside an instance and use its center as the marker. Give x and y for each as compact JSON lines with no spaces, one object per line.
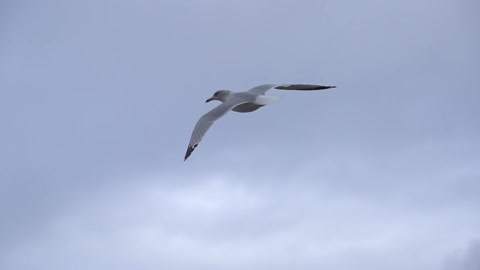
{"x":208,"y":100}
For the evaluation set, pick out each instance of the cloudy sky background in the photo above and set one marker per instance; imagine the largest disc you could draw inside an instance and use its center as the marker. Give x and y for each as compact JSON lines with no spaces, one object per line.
{"x":99,"y":98}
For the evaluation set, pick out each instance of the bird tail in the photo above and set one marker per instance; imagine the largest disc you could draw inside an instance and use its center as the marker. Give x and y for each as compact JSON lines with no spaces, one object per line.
{"x":265,"y":100}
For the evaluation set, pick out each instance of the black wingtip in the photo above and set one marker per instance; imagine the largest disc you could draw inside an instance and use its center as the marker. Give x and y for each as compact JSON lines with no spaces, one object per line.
{"x":321,"y":87}
{"x":303,"y":87}
{"x":189,"y":151}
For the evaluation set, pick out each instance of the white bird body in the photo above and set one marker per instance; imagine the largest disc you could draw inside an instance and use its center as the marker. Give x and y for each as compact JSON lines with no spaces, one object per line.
{"x":247,"y":101}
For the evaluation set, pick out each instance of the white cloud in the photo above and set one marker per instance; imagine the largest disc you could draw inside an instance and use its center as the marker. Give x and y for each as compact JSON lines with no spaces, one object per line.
{"x":220,"y":223}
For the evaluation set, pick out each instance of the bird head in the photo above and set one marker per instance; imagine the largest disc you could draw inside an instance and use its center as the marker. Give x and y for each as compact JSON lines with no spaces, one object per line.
{"x":220,"y":95}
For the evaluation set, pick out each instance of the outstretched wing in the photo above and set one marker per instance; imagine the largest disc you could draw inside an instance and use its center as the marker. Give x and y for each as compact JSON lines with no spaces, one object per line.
{"x":207,"y":120}
{"x":261,"y":89}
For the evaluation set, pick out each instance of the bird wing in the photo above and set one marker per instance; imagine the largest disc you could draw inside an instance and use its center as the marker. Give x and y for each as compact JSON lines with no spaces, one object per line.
{"x":207,"y":120}
{"x":261,"y":89}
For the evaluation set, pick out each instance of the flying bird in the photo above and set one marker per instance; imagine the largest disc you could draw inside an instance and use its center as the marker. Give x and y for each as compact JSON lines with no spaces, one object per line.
{"x":247,"y":101}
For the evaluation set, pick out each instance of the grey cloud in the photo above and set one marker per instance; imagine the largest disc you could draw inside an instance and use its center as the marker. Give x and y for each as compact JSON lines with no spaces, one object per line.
{"x":467,"y":259}
{"x":97,"y":94}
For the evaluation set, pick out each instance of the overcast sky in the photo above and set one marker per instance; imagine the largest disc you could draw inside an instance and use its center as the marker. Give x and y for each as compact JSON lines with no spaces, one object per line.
{"x":98,"y":99}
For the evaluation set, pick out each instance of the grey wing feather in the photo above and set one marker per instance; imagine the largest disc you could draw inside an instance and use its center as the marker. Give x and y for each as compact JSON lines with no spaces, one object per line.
{"x":206,"y":121}
{"x":261,"y":89}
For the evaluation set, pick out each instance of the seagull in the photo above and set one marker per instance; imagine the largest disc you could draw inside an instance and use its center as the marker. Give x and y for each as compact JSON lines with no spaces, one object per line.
{"x":243,"y":102}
